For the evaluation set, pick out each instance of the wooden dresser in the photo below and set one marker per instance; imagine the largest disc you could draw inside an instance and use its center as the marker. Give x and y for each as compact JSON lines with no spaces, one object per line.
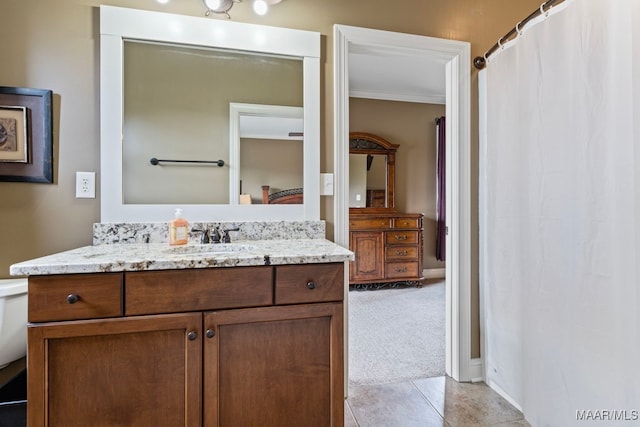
{"x":387,"y":247}
{"x":387,"y":244}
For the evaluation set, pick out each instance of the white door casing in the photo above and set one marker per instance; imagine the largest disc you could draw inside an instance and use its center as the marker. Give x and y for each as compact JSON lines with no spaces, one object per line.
{"x":457,"y":56}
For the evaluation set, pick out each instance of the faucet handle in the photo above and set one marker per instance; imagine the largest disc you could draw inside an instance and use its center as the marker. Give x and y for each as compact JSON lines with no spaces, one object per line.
{"x":226,"y":238}
{"x":205,"y":237}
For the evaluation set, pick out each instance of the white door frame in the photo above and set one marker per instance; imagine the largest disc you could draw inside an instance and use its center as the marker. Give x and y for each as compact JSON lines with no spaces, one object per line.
{"x":457,"y":55}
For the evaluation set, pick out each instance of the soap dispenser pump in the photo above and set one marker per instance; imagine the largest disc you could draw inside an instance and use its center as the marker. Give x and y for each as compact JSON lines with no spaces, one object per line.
{"x":178,"y":229}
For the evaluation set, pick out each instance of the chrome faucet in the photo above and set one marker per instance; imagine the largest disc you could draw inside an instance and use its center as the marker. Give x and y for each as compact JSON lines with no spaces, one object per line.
{"x":216,"y":235}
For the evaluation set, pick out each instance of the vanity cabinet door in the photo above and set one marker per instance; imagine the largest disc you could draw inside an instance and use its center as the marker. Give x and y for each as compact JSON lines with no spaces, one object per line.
{"x":274,"y":366}
{"x":143,"y":371}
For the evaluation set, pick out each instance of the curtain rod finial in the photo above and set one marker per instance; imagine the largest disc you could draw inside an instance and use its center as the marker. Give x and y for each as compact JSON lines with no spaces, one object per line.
{"x":479,"y":62}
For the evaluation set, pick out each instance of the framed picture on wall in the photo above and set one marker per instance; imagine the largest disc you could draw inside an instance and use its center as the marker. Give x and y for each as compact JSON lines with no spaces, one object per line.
{"x":13,"y":134}
{"x":26,"y":135}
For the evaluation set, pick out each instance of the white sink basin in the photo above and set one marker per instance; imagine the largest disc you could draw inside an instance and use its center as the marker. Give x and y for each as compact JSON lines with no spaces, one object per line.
{"x":211,"y":248}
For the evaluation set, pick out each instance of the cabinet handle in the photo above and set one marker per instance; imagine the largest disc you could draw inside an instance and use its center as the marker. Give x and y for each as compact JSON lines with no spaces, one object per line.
{"x":192,"y":335}
{"x":401,"y":270}
{"x":73,"y":298}
{"x":311,"y":284}
{"x":402,"y":253}
{"x":401,"y":237}
{"x":210,"y":333}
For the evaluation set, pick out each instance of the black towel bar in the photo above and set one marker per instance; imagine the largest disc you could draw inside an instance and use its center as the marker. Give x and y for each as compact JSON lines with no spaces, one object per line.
{"x":155,"y":161}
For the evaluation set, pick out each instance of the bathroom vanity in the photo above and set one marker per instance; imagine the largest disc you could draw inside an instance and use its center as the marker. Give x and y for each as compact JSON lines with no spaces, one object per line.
{"x":247,"y":334}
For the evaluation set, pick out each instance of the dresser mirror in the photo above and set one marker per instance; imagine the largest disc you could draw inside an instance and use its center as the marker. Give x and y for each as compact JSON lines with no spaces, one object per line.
{"x":167,"y":83}
{"x":371,"y":172}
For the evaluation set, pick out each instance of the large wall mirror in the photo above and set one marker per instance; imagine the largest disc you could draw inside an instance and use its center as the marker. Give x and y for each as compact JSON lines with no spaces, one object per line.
{"x":169,"y":84}
{"x":372,"y":162}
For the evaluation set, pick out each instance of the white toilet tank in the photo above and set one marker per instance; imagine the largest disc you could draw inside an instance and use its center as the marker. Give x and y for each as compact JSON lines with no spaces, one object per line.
{"x":13,"y":320}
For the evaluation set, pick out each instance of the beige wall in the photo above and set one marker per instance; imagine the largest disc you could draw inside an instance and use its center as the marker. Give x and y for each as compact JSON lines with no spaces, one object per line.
{"x":54,"y":44}
{"x":413,"y":127}
{"x":272,"y":162}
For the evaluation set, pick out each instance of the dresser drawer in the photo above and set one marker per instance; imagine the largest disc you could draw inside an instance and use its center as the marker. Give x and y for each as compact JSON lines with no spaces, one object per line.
{"x":173,"y":291}
{"x":370,"y":223}
{"x":309,"y":283}
{"x":401,"y":237}
{"x":409,"y":253}
{"x":406,"y":223}
{"x":399,"y":270}
{"x":74,"y":297}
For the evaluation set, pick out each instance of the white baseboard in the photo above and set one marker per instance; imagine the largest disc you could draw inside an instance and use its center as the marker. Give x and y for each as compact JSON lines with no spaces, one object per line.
{"x":476,"y":370}
{"x":504,"y":394}
{"x":434,"y":273}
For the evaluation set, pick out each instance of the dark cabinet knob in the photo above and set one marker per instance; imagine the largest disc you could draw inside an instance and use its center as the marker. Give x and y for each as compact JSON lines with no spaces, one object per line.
{"x":73,"y":298}
{"x":192,"y":335}
{"x":210,"y":333}
{"x":311,"y":284}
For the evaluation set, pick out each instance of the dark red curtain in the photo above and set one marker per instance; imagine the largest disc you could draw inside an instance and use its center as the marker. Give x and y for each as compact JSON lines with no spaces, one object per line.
{"x":441,"y":214}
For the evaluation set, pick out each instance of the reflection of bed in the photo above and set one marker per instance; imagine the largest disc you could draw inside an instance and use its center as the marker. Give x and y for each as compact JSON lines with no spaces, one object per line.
{"x":292,"y":196}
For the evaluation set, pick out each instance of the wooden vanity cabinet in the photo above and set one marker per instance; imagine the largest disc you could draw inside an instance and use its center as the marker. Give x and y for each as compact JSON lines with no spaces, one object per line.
{"x":226,"y":362}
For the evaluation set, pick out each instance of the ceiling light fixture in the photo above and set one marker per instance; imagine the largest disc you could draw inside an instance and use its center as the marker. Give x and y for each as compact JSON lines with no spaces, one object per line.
{"x":260,"y":7}
{"x":219,"y":6}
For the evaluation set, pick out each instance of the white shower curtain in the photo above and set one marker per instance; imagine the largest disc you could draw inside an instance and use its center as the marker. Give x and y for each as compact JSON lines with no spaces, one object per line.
{"x":560,"y":217}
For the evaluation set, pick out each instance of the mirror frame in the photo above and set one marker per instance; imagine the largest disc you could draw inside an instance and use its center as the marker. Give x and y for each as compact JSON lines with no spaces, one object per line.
{"x":378,"y":145}
{"x":119,"y":24}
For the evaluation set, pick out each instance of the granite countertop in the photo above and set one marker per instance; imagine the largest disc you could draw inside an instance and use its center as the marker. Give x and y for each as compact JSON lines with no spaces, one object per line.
{"x":162,"y":256}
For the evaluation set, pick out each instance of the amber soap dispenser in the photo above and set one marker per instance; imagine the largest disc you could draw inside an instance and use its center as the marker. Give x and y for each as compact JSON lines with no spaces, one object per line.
{"x":178,"y":229}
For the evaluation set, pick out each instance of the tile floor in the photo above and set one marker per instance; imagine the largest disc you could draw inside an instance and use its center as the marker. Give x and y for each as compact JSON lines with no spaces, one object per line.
{"x":427,"y":402}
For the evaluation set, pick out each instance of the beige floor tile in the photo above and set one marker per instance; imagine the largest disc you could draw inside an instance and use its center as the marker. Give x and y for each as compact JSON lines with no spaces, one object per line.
{"x":391,"y":405}
{"x":519,"y":423}
{"x":349,"y":420}
{"x":467,"y":404}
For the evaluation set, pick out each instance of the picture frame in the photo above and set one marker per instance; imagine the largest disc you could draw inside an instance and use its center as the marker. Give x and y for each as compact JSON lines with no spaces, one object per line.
{"x":26,"y":135}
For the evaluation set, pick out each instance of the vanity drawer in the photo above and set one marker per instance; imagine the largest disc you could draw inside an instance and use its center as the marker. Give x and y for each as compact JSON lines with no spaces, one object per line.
{"x":406,"y":223}
{"x":369,"y":223}
{"x":399,"y":270}
{"x":74,"y":297}
{"x":401,"y":253}
{"x":173,"y":291}
{"x":309,"y":283}
{"x":401,"y":237}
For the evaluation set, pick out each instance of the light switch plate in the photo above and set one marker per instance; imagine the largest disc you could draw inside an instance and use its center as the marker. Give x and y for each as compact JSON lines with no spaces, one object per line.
{"x":326,"y":184}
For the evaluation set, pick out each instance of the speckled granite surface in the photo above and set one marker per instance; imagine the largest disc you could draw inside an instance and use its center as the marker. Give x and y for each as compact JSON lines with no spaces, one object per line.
{"x":143,"y":246}
{"x":161,"y":256}
{"x":157,"y":232}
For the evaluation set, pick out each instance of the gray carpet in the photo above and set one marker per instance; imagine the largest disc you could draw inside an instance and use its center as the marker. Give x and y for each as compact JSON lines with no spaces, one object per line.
{"x":396,"y":334}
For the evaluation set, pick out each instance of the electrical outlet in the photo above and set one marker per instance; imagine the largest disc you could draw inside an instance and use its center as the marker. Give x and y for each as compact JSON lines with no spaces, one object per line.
{"x":85,"y":185}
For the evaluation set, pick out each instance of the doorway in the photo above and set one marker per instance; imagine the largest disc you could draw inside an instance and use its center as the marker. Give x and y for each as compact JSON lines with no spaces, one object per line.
{"x":455,"y":57}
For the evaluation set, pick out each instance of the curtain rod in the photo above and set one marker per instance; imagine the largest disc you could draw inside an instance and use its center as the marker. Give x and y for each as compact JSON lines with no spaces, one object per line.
{"x":481,"y":61}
